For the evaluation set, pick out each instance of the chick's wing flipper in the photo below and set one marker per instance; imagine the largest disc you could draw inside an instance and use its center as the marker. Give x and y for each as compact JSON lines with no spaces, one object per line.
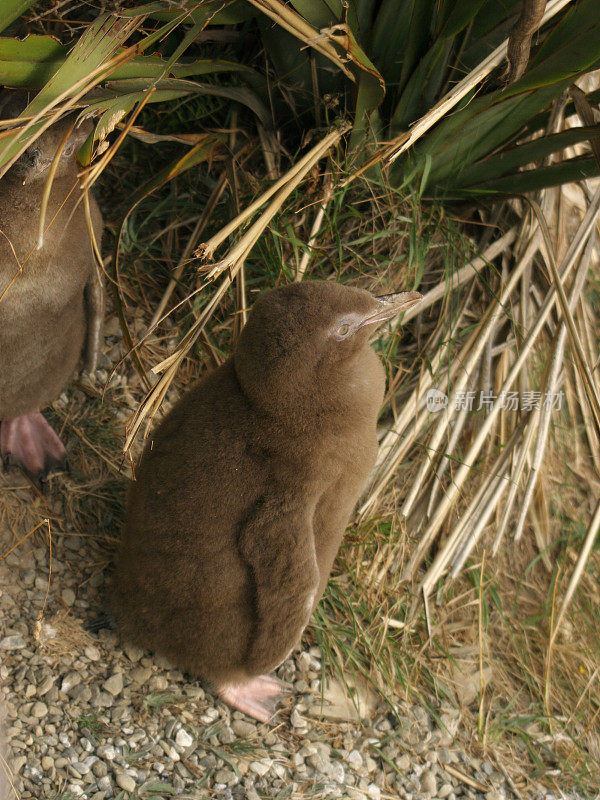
{"x":94,"y":299}
{"x":277,"y":544}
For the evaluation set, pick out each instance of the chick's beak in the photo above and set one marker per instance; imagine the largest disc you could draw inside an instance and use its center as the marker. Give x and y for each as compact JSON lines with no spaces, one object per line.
{"x":390,"y":305}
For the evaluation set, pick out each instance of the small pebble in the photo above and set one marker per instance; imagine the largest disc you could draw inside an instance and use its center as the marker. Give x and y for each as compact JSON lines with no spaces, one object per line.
{"x":68,"y":596}
{"x":114,"y":685}
{"x":183,"y":738}
{"x":428,"y":782}
{"x":403,"y":762}
{"x":243,"y":729}
{"x":92,"y":652}
{"x":16,"y":642}
{"x":261,"y":767}
{"x":39,"y":710}
{"x":125,"y":781}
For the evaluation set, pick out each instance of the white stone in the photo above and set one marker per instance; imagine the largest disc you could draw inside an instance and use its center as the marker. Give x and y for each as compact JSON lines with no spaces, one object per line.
{"x":403,"y":762}
{"x":296,"y":720}
{"x":183,"y":738}
{"x":92,"y":652}
{"x":261,"y":767}
{"x":428,"y":782}
{"x":15,"y":642}
{"x":70,"y":680}
{"x":106,"y":751}
{"x":45,"y":685}
{"x":114,"y":685}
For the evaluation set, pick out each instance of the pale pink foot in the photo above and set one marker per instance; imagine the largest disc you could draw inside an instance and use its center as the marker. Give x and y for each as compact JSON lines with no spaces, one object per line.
{"x":257,"y":698}
{"x":30,"y":443}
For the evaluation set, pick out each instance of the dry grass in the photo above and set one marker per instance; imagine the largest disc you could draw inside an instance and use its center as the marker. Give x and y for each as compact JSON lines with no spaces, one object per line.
{"x":481,"y":639}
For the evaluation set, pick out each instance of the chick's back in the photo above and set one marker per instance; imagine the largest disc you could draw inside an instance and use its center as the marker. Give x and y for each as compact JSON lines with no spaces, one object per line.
{"x":182,"y":586}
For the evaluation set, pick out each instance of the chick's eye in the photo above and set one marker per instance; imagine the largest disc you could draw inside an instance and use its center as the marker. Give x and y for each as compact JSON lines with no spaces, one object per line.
{"x":343,"y":329}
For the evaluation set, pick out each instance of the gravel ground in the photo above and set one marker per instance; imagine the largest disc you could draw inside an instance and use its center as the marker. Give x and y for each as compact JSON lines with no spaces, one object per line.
{"x":89,"y":717}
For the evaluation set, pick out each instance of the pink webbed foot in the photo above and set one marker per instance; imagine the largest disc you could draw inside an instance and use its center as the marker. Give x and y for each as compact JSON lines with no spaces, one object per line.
{"x":30,"y":443}
{"x":257,"y":697}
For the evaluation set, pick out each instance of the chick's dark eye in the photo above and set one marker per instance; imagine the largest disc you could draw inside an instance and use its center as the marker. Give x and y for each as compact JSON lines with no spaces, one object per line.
{"x":343,"y":329}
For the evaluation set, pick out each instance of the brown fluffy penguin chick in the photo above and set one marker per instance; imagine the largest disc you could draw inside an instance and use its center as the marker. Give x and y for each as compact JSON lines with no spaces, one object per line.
{"x":50,"y":298}
{"x":245,"y":489}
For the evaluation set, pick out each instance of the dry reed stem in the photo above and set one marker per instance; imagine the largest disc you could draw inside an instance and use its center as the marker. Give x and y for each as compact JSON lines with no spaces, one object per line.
{"x":316,"y":226}
{"x":579,"y":241}
{"x":582,"y":560}
{"x":398,"y":441}
{"x":580,"y":357}
{"x":296,"y":25}
{"x":394,"y":446}
{"x":184,"y":260}
{"x":446,"y":458}
{"x":206,"y":250}
{"x":486,"y":488}
{"x":555,"y":367}
{"x":591,"y":435}
{"x":515,"y":479}
{"x":496,"y":309}
{"x":483,"y":513}
{"x":291,"y":180}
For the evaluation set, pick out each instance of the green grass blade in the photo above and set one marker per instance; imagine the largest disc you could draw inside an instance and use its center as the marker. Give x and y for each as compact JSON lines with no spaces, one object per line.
{"x":479,"y":129}
{"x":533,"y":180}
{"x":573,"y":47}
{"x":520,"y":156}
{"x":460,"y":16}
{"x":213,"y":12}
{"x":98,"y":43}
{"x":418,"y":20}
{"x":180,"y":88}
{"x":388,"y":40}
{"x":324,"y":14}
{"x":426,"y":78}
{"x":30,"y":62}
{"x":422,"y":88}
{"x":12,"y":10}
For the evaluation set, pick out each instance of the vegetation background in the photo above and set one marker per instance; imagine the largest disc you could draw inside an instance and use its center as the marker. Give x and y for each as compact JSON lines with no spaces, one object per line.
{"x":449,"y":146}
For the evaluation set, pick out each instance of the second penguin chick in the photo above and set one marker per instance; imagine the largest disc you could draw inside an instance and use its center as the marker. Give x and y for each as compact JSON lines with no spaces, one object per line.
{"x":245,"y":489}
{"x":51,"y":303}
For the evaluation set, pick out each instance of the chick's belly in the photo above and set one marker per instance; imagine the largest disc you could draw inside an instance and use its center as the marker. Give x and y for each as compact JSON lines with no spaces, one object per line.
{"x":38,"y":357}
